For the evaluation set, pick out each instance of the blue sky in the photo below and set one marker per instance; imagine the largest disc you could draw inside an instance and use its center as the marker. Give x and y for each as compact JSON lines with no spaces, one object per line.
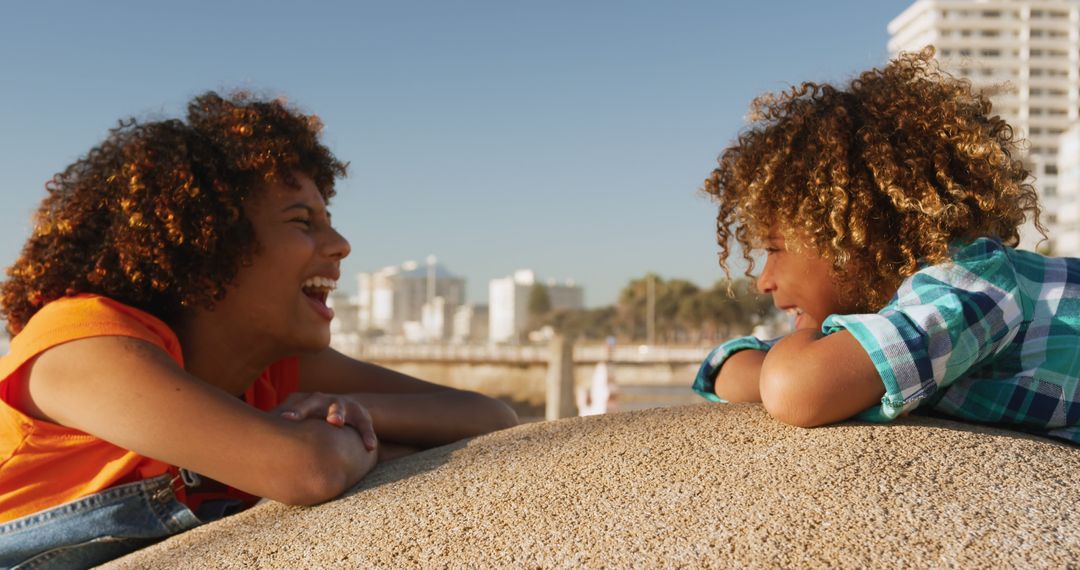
{"x":569,"y":137}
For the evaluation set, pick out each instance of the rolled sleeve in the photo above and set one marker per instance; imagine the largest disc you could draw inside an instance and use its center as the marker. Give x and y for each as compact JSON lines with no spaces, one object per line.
{"x":705,"y":382}
{"x":945,"y":321}
{"x":898,"y":349}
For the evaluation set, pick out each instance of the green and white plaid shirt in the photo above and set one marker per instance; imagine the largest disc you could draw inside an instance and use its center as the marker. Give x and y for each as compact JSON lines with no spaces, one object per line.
{"x":992,"y":337}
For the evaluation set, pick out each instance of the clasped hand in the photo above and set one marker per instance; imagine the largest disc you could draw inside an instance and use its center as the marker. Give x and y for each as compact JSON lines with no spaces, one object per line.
{"x":337,"y":409}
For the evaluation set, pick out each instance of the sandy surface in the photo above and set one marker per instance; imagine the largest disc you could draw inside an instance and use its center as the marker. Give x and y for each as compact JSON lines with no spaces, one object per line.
{"x":706,"y":485}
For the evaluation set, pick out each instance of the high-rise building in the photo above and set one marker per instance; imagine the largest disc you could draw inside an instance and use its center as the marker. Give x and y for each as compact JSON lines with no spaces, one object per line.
{"x":508,"y":303}
{"x":391,"y":297}
{"x":1028,"y":53}
{"x":1067,"y":241}
{"x":436,"y":321}
{"x":470,"y":324}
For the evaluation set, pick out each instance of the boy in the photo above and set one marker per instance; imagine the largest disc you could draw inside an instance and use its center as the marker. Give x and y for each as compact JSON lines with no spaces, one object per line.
{"x":889,"y":211}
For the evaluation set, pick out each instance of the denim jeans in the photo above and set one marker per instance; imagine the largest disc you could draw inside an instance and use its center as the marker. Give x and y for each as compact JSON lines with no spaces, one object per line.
{"x":96,"y":528}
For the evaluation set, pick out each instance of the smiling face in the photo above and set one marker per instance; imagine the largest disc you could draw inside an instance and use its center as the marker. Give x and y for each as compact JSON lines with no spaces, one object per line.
{"x":801,"y":283}
{"x":282,"y":293}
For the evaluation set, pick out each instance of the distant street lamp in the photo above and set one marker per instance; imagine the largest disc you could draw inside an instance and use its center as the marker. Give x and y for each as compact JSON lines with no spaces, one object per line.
{"x":431,"y":277}
{"x":650,"y":311}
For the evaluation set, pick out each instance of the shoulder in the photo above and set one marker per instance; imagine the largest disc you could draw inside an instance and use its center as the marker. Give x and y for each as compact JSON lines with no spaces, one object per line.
{"x":92,"y":310}
{"x":985,"y":287}
{"x":87,"y":316}
{"x":984,"y":257}
{"x":981,"y":267}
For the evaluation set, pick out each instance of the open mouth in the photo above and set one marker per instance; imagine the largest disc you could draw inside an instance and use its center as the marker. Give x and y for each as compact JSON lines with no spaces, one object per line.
{"x":796,"y":315}
{"x":318,"y":288}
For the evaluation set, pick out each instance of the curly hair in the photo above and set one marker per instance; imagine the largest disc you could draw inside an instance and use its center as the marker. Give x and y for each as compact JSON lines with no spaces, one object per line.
{"x":878,"y":177}
{"x":154,"y":216}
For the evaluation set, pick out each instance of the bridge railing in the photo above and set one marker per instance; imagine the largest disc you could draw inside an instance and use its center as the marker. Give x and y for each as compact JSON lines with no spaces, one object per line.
{"x":583,"y":353}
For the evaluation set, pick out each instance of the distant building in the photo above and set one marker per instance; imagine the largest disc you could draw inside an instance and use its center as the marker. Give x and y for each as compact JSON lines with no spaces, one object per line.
{"x":344,"y":333}
{"x":346,"y":316}
{"x":1032,"y":47}
{"x":436,"y":320}
{"x":471,"y":324}
{"x":508,"y":300}
{"x":392,"y":300}
{"x":1067,"y":239}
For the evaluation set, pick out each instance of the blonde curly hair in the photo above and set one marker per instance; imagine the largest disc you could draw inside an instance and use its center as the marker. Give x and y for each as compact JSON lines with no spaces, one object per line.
{"x":878,"y":177}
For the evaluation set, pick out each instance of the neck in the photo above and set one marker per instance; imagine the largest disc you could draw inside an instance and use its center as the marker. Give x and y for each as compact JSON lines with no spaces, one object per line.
{"x":222,"y":355}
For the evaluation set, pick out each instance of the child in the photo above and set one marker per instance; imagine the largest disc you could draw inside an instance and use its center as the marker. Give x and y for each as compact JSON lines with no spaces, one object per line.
{"x":889,"y":212}
{"x":170,"y":361}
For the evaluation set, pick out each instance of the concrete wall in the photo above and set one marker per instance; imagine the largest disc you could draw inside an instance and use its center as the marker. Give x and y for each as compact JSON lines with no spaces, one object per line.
{"x":691,"y":487}
{"x":523,"y":383}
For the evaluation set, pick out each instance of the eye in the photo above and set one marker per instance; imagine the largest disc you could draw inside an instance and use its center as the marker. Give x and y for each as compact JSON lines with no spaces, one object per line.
{"x":302,"y":221}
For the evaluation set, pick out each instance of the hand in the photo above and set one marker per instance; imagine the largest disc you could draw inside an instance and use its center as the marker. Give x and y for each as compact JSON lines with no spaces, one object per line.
{"x":338,"y":409}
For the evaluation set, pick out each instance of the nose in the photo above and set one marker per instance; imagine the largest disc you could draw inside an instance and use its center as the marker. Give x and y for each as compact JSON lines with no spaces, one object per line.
{"x":765,"y":282}
{"x":337,"y":246}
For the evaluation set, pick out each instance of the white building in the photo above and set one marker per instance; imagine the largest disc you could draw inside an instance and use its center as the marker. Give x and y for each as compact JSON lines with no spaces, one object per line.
{"x":1067,"y":240}
{"x":508,"y":299}
{"x":392,"y":299}
{"x":344,"y":333}
{"x":436,"y":320}
{"x":345,"y":313}
{"x":1030,"y":50}
{"x":471,"y":323}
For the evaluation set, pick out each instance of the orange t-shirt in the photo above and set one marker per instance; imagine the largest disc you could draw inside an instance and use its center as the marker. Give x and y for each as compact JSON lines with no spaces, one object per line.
{"x":42,"y":464}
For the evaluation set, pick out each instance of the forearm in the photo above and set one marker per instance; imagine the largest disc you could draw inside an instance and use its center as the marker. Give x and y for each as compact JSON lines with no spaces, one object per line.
{"x":327,"y":461}
{"x":789,"y":380}
{"x":345,"y":447}
{"x":808,"y":379}
{"x":435,"y":418}
{"x":739,"y":377}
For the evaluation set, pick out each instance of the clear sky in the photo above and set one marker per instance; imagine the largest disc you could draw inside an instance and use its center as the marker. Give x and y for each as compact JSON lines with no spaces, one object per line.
{"x":569,"y":137}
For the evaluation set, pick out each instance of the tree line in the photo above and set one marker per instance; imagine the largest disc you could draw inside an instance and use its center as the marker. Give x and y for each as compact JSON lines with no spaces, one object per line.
{"x":680,"y":312}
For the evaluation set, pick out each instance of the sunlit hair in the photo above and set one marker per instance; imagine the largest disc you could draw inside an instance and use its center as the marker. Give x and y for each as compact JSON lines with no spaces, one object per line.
{"x":154,"y":216}
{"x":879,"y":176}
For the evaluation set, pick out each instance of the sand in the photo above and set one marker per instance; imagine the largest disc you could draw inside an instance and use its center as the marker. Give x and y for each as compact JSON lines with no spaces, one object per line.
{"x":696,"y":486}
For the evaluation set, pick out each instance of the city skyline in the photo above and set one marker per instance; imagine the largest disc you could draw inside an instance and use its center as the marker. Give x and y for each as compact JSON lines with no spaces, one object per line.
{"x":567,"y":138}
{"x":1026,"y":54}
{"x":424,"y":303}
{"x":421,"y":264}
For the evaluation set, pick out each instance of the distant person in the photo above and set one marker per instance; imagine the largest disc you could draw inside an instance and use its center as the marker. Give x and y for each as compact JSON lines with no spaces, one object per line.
{"x":170,"y":361}
{"x":889,"y":209}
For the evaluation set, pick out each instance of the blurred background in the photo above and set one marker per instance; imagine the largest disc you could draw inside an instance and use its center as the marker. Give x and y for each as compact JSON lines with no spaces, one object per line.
{"x":520,"y":171}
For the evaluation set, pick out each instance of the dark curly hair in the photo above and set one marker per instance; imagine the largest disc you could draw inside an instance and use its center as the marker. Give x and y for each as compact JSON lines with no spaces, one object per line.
{"x":878,"y":177}
{"x":154,"y":217}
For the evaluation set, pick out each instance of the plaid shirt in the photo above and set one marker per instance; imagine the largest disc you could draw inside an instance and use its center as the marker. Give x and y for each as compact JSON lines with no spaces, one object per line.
{"x":992,"y":337}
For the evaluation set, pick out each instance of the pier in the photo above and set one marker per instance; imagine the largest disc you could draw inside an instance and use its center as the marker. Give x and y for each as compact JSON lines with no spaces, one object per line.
{"x":645,"y":376}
